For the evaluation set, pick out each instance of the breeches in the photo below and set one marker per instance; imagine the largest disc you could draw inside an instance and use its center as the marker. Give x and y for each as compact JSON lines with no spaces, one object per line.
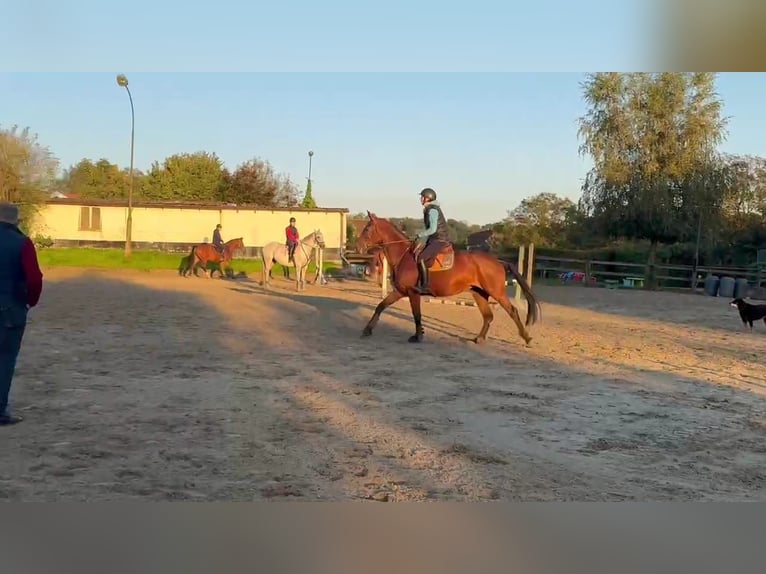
{"x":431,"y":250}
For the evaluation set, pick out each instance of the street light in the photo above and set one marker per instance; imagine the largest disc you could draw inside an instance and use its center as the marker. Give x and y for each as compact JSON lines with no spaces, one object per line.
{"x":311,"y":154}
{"x":122,"y":81}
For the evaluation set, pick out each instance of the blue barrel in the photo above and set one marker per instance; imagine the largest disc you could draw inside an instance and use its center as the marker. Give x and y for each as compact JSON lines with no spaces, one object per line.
{"x":711,"y":285}
{"x":740,"y":288}
{"x":726,"y":287}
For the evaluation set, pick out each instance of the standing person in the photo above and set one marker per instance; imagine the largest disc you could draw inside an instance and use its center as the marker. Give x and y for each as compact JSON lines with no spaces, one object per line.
{"x":21,"y":283}
{"x":218,"y":240}
{"x":293,"y":237}
{"x":433,"y":238}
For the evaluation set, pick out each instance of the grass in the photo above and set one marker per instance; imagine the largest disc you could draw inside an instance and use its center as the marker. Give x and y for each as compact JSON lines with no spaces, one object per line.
{"x":142,"y":260}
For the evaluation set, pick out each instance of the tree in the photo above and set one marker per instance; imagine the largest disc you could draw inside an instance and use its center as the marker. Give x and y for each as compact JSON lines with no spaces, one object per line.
{"x":652,"y":138}
{"x":27,"y":172}
{"x":308,"y":199}
{"x":100,"y":180}
{"x":198,"y":176}
{"x":255,"y":182}
{"x":539,"y":219}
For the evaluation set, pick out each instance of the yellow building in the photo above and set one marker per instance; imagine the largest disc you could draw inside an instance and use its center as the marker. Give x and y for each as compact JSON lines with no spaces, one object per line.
{"x":178,"y":226}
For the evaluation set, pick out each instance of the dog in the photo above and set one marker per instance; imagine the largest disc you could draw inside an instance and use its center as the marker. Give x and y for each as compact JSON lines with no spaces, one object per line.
{"x":749,"y":312}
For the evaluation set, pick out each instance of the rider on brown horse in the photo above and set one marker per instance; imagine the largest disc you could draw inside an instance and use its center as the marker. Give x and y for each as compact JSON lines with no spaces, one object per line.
{"x":218,"y":240}
{"x":435,"y":236}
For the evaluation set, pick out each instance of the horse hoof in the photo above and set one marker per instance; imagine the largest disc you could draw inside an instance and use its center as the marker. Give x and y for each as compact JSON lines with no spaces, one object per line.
{"x":415,"y":339}
{"x":366,"y":332}
{"x":479,"y":340}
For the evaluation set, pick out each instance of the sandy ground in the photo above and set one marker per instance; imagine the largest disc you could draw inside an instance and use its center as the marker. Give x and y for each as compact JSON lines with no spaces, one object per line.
{"x":155,"y":387}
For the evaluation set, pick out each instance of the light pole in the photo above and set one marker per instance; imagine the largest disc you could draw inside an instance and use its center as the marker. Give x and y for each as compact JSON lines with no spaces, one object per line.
{"x":311,"y":154}
{"x":122,"y":81}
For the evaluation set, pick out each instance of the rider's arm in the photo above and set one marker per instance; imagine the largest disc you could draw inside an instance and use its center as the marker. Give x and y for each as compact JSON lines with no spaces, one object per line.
{"x":433,"y":220}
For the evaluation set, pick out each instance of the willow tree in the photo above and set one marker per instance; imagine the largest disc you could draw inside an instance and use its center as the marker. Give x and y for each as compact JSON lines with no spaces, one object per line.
{"x":653,"y":139}
{"x":27,"y":171}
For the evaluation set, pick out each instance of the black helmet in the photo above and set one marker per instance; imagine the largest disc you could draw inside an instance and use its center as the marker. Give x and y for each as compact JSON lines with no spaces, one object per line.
{"x":429,"y":194}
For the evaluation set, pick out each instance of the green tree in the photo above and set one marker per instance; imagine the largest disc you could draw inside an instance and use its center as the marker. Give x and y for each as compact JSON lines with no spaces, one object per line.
{"x":27,"y":172}
{"x":99,"y":180}
{"x":198,"y":176}
{"x":539,"y":219}
{"x":653,"y":139}
{"x":308,"y":198}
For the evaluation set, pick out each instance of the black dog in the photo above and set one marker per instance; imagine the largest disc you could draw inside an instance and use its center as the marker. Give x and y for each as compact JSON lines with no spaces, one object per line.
{"x":748,"y":312}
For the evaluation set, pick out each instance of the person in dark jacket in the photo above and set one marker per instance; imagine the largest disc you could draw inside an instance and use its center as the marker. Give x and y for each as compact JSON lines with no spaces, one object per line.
{"x":21,"y":283}
{"x":218,"y":240}
{"x":433,"y":238}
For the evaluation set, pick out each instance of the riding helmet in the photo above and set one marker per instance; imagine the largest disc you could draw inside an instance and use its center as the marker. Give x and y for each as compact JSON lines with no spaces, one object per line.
{"x":429,"y":194}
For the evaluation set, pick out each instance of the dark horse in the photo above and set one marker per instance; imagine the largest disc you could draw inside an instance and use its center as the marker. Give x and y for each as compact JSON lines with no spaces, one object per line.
{"x":205,"y":253}
{"x":451,"y":273}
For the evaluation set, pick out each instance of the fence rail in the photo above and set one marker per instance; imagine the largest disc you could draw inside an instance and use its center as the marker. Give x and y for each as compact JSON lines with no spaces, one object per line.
{"x":672,"y":276}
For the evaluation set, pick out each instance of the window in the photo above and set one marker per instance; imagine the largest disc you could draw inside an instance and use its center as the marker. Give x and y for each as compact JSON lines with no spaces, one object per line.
{"x":90,"y":218}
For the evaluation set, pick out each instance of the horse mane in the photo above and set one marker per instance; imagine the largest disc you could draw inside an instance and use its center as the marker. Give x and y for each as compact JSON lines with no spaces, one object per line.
{"x":389,"y":225}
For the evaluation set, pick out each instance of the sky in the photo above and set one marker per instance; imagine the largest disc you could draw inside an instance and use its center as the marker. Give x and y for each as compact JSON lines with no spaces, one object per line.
{"x":418,"y":95}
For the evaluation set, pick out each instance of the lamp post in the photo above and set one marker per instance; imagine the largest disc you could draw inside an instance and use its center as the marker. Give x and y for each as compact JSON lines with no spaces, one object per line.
{"x":122,"y":81}
{"x":311,"y":154}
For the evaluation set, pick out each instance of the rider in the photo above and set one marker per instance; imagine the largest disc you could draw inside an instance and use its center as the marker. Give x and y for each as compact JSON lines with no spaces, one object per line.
{"x":435,"y":236}
{"x":292,"y":237}
{"x":218,"y":240}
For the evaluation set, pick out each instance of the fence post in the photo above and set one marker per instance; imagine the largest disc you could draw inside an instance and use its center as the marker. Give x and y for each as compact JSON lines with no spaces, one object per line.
{"x":520,"y":267}
{"x":384,"y":279}
{"x":588,"y":272}
{"x":530,"y":263}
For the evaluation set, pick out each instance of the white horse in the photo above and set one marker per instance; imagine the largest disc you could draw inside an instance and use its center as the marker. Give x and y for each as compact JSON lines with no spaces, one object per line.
{"x":276,"y":252}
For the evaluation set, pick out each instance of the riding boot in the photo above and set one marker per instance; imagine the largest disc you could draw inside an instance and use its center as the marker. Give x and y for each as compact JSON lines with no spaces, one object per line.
{"x":423,"y":284}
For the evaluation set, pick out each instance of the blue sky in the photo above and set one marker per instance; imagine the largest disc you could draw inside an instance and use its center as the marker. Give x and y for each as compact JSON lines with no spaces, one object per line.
{"x":384,"y":97}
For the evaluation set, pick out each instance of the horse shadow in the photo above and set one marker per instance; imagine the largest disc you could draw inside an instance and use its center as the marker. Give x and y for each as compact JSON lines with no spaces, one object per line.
{"x":332,"y":306}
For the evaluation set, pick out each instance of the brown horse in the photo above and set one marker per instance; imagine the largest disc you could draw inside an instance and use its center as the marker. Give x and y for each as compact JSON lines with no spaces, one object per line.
{"x":205,"y":253}
{"x":452,"y":272}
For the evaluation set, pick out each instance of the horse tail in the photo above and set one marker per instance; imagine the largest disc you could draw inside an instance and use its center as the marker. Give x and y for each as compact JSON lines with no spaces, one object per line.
{"x":534,"y":311}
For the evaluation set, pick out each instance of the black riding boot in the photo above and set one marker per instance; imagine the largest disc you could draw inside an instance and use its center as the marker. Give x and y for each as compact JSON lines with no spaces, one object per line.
{"x":423,"y":283}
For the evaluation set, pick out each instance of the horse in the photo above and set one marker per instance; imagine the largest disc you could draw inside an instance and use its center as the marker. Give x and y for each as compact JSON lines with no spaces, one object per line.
{"x":206,"y":252}
{"x":451,"y":272}
{"x":276,"y":252}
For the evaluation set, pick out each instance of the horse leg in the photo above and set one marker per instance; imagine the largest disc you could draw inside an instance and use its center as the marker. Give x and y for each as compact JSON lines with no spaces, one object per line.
{"x":390,"y":299}
{"x":266,"y":272}
{"x":482,"y":302}
{"x":416,"y":315}
{"x":510,"y":308}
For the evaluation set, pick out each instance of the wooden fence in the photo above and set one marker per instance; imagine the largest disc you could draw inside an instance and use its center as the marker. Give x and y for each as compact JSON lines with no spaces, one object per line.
{"x":593,"y":271}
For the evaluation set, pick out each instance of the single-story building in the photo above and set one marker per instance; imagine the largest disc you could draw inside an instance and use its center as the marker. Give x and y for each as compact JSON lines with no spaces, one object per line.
{"x":176,"y":226}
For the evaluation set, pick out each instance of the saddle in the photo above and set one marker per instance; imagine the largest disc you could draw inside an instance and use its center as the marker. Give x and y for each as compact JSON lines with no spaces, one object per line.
{"x":444,"y":260}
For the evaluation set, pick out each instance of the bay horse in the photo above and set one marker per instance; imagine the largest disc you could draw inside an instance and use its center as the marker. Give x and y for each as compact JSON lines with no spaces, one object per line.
{"x":276,"y":252}
{"x":451,"y":272}
{"x":205,"y":253}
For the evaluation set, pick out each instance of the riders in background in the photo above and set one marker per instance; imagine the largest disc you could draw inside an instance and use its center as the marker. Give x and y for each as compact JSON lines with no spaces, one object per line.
{"x":433,"y":238}
{"x":292,"y":236}
{"x":217,"y":239}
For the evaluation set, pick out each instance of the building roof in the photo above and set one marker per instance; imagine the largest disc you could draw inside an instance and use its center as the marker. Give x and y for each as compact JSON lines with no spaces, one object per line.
{"x":186,"y":205}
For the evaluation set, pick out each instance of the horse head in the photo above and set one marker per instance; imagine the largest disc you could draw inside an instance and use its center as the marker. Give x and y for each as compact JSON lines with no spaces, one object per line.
{"x":319,"y":238}
{"x":378,"y":232}
{"x":233,"y":244}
